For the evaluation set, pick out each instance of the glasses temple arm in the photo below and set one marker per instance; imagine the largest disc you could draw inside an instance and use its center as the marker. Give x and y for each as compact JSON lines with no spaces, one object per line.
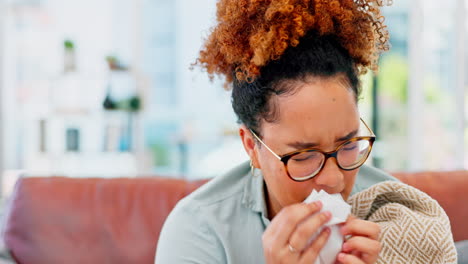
{"x":272,"y":152}
{"x":368,"y":128}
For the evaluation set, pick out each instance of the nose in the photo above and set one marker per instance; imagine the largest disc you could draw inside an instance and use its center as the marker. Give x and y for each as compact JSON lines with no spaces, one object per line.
{"x":331,"y":178}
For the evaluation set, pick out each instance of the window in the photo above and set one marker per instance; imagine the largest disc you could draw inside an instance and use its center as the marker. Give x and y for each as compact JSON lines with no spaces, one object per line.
{"x":134,"y":56}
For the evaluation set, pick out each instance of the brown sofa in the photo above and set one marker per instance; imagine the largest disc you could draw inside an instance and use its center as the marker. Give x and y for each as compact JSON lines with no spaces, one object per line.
{"x":65,"y":220}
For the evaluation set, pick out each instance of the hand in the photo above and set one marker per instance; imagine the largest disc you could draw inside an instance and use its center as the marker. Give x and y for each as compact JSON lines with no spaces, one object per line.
{"x":363,"y":247}
{"x":287,"y":238}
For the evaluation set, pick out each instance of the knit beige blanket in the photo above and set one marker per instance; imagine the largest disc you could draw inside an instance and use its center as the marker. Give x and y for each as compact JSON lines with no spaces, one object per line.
{"x":414,"y":228}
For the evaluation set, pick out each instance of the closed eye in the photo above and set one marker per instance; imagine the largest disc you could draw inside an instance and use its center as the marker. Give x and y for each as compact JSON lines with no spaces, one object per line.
{"x":302,"y":159}
{"x":350,"y":148}
{"x":305,"y":156}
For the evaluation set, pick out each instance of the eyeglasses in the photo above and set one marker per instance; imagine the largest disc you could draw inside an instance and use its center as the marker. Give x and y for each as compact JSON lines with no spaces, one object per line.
{"x":302,"y":165}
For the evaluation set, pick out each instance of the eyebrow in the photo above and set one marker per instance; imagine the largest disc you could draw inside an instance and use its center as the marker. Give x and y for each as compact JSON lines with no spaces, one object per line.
{"x":306,"y":145}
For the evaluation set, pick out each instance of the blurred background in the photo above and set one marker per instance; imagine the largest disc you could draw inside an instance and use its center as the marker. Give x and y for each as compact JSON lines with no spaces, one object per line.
{"x":103,"y":89}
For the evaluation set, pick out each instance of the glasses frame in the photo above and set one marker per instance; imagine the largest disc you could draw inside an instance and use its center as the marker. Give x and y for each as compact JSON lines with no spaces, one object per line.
{"x":286,"y":157}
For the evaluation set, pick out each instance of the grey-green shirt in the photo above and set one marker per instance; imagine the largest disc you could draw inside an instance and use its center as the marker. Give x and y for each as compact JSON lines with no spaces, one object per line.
{"x":223,"y":221}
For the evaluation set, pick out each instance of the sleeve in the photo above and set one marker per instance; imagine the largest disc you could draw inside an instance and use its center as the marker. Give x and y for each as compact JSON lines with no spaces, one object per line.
{"x":186,"y":238}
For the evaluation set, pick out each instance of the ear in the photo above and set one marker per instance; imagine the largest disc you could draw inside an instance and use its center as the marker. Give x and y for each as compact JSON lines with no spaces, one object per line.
{"x":250,"y":145}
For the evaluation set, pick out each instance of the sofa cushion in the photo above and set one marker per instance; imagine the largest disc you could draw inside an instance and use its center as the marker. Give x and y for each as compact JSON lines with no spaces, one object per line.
{"x":66,"y":220}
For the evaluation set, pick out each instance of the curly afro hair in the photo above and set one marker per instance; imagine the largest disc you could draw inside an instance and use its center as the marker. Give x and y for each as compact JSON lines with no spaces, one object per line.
{"x":251,"y":33}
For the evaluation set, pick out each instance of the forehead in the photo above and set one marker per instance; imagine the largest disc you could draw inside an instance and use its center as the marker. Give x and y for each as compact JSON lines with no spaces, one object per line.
{"x":320,"y":109}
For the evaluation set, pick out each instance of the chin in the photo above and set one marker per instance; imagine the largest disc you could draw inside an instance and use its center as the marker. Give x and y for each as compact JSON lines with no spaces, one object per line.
{"x":345,"y":195}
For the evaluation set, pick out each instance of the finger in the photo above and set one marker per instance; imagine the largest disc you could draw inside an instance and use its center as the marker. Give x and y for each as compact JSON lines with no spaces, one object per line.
{"x":361,"y":228}
{"x":356,"y":253}
{"x":351,"y":217}
{"x":277,"y":235}
{"x":349,"y":259}
{"x":362,"y":244}
{"x":368,"y":249}
{"x":369,"y":258}
{"x":307,"y":229}
{"x":310,"y":254}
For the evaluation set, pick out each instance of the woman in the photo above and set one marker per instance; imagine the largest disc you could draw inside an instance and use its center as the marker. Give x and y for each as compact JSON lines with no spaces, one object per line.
{"x":293,"y":67}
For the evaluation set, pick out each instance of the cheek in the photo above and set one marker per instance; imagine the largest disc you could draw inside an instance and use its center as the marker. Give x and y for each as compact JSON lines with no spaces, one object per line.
{"x":273,"y":172}
{"x":275,"y":176}
{"x":280,"y":187}
{"x":269,"y":164}
{"x":349,"y":180}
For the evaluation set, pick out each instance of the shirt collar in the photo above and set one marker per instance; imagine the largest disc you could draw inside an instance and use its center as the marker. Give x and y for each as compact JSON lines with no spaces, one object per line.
{"x":254,"y":194}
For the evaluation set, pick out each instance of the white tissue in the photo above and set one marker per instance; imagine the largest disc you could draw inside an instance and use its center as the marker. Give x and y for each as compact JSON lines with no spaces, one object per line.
{"x":340,"y":211}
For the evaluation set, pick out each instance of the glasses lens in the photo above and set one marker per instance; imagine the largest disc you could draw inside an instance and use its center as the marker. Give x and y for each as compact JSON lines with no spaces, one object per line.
{"x":305,"y":165}
{"x":353,"y":154}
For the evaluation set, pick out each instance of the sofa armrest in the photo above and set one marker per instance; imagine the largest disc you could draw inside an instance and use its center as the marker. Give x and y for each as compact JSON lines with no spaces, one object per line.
{"x":450,"y":189}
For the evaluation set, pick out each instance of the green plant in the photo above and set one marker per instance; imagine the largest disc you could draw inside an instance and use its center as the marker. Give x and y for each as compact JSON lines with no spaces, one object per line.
{"x":131,"y":104}
{"x":111,"y":59}
{"x":68,"y":44}
{"x":115,"y":64}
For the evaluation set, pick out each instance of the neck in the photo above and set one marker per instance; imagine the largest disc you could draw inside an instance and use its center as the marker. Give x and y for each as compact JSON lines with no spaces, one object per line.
{"x":273,"y":206}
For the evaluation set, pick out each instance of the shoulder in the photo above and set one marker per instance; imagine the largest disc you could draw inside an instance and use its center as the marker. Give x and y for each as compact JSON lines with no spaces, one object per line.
{"x":192,"y":224}
{"x":215,"y":202}
{"x":183,"y":231}
{"x":221,"y":188}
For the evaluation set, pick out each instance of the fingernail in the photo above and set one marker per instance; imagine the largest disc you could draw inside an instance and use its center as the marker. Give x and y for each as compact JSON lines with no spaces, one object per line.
{"x":341,"y":257}
{"x":313,"y":206}
{"x":318,"y":203}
